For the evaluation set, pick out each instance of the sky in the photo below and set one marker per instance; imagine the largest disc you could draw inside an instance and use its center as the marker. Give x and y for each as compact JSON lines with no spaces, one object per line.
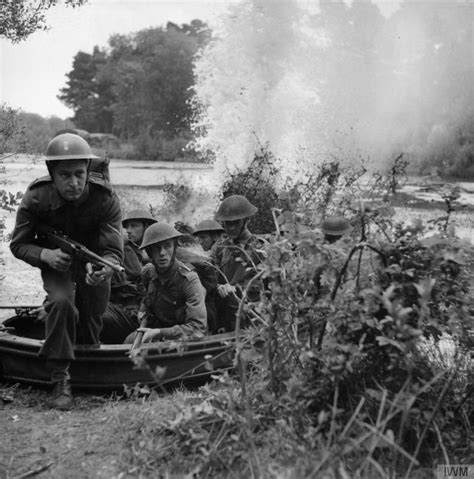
{"x":32,"y":72}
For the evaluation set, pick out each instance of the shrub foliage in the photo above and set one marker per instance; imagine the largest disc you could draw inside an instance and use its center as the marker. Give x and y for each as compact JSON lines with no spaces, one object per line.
{"x":357,"y":362}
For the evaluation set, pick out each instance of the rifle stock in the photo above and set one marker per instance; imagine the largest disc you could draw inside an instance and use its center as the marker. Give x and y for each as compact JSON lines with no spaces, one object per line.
{"x":78,"y":250}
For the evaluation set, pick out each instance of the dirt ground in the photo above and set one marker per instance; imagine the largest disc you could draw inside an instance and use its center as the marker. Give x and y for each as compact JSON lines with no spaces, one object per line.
{"x":86,"y":442}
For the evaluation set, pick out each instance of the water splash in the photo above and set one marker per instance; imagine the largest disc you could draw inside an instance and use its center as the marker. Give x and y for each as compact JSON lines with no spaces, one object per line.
{"x":339,"y":82}
{"x":251,"y":84}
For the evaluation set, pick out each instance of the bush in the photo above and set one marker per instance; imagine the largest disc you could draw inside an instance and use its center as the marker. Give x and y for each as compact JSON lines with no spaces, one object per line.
{"x":344,"y":372}
{"x":258,"y":184}
{"x":159,"y":147}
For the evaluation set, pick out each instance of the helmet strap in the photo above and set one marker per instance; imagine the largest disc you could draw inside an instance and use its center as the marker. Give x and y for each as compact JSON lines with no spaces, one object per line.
{"x":173,"y":258}
{"x":242,"y":228}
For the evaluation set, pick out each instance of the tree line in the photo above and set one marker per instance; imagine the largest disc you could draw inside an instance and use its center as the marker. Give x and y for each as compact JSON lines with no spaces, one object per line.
{"x":138,"y":88}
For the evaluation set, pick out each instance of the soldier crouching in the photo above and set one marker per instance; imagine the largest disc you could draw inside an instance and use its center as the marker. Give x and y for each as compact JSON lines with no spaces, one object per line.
{"x":174,"y":302}
{"x":121,"y":317}
{"x":86,"y":210}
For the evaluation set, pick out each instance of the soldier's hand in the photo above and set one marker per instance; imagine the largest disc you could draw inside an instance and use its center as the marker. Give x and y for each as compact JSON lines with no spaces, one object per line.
{"x":150,"y":334}
{"x":225,"y":290}
{"x":40,"y":313}
{"x":56,"y":259}
{"x":96,"y":276}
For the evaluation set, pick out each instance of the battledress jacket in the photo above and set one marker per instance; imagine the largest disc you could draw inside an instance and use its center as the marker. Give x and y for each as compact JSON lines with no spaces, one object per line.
{"x":93,"y":220}
{"x":175,"y":301}
{"x":126,"y":287}
{"x":237,"y":260}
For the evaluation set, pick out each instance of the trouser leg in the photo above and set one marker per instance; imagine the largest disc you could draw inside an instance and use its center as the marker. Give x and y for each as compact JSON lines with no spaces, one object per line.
{"x":227,"y":312}
{"x":60,"y":322}
{"x":118,"y":322}
{"x":59,"y":369}
{"x":91,"y":301}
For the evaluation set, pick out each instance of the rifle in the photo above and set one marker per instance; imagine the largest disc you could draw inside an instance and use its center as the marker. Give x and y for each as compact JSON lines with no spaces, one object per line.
{"x":137,"y":342}
{"x":69,"y":246}
{"x":20,"y":310}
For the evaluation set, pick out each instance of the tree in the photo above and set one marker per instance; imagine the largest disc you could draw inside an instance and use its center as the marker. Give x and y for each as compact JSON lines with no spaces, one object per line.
{"x":89,"y":92}
{"x":21,"y":18}
{"x":139,"y":86}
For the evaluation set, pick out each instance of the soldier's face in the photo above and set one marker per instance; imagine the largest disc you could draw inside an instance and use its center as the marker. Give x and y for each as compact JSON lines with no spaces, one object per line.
{"x":234,"y":228}
{"x":135,"y":230}
{"x":205,"y":240}
{"x":70,"y":178}
{"x":162,"y":254}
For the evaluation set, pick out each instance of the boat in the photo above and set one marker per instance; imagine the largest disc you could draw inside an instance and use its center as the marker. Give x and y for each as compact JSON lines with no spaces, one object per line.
{"x":108,"y":367}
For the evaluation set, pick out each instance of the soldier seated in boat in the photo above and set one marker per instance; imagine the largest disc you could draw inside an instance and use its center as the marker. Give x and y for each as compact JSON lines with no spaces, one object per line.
{"x":79,"y":205}
{"x":120,"y":319}
{"x":236,"y":257}
{"x":174,"y":302}
{"x":208,"y":232}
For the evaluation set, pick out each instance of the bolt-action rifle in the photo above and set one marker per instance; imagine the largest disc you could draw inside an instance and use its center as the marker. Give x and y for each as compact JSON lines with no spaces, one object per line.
{"x":77,"y":250}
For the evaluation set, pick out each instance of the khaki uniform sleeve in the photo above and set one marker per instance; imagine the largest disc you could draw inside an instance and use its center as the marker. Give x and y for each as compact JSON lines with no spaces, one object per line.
{"x":110,"y":239}
{"x":195,"y":325}
{"x":131,"y":263}
{"x":23,"y":244}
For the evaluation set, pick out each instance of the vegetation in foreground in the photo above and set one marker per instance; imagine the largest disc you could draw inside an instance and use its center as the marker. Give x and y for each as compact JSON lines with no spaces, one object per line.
{"x":357,"y":363}
{"x":380,"y":394}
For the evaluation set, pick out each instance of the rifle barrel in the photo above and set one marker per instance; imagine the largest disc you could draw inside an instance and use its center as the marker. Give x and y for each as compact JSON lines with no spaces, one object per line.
{"x":99,"y":259}
{"x":16,"y":306}
{"x":73,"y":247}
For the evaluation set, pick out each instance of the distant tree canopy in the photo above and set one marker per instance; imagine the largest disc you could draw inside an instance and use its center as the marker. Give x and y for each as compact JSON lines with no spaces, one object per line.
{"x":139,"y":85}
{"x":21,"y":18}
{"x":26,"y":132}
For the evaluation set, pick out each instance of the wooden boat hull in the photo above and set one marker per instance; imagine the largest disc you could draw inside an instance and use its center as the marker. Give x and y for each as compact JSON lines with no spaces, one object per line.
{"x":109,"y":367}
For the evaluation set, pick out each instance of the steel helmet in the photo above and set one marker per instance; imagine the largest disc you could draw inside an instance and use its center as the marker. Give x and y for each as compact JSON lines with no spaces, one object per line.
{"x":208,"y":225}
{"x":68,"y":146}
{"x":235,"y":207}
{"x":157,"y":233}
{"x":138,"y":215}
{"x":335,"y":226}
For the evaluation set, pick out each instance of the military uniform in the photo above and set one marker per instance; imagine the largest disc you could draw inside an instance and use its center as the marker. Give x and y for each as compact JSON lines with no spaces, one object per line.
{"x":175,"y":301}
{"x":237,"y":263}
{"x":121,"y":315}
{"x":73,"y":307}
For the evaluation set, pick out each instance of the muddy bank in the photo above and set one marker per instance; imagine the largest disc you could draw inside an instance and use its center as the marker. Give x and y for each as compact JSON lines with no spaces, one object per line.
{"x":86,"y":442}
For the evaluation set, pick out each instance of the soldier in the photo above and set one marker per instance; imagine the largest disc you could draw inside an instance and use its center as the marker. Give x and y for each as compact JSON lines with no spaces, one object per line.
{"x":120,"y":319}
{"x":82,"y":207}
{"x":334,"y":227}
{"x":175,"y":298}
{"x":236,"y":257}
{"x":208,"y":233}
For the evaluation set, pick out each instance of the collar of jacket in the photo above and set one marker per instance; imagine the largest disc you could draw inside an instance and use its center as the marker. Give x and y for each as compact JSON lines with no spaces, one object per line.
{"x":164,"y":277}
{"x":134,"y":246}
{"x":57,"y":201}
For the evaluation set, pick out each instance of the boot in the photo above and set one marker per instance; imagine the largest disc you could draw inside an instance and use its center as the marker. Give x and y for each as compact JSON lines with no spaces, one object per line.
{"x":61,"y":396}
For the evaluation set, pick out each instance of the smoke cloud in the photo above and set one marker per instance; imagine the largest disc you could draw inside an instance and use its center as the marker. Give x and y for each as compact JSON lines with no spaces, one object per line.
{"x":337,"y":82}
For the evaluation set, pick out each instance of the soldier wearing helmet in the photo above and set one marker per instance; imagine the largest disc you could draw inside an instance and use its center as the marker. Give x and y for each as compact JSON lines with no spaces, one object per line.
{"x":235,"y":256}
{"x":87,"y":211}
{"x":208,"y":232}
{"x":121,"y":316}
{"x":334,"y":227}
{"x":175,"y":298}
{"x":135,"y":223}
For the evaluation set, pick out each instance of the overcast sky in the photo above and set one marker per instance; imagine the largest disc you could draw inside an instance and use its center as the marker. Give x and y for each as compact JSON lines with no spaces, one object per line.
{"x":33,"y":71}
